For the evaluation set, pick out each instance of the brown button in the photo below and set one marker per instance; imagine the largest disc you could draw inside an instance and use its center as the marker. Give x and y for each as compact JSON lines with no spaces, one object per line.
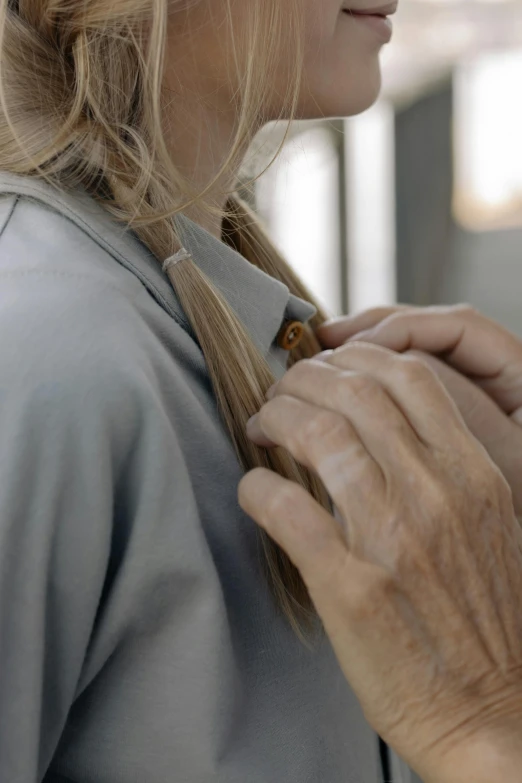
{"x":290,"y":335}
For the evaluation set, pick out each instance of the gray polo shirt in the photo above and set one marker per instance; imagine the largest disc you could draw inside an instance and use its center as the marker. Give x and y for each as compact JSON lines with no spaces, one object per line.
{"x":139,"y":642}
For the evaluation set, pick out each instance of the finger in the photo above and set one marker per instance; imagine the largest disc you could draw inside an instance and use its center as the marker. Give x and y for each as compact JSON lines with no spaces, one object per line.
{"x":483,"y":417}
{"x":312,"y":538}
{"x":327,"y":443}
{"x":352,"y":597}
{"x":335,"y":332}
{"x":468,"y":341}
{"x":382,"y":427}
{"x":412,"y":385}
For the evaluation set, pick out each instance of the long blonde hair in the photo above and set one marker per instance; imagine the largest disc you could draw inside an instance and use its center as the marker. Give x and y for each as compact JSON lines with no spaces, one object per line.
{"x":81,"y":105}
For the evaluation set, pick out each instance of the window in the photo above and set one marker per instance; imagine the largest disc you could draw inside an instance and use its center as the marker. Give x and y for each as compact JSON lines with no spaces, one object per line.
{"x":298,"y":197}
{"x":488,"y":141}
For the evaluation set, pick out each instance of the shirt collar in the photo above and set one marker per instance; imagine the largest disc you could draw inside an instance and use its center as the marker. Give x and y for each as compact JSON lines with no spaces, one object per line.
{"x":261,"y":302}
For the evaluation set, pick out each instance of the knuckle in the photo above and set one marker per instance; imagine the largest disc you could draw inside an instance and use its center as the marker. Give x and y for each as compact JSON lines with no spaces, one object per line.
{"x":281,"y":502}
{"x":412,"y":368}
{"x":275,"y":411}
{"x":398,"y":318}
{"x":415,"y":353}
{"x":359,"y":386}
{"x":323,"y":425}
{"x":464,"y":308}
{"x":377,"y":313}
{"x":299,"y":368}
{"x":297,"y":376}
{"x":368,"y":596}
{"x":303,"y":367}
{"x":266,"y":412}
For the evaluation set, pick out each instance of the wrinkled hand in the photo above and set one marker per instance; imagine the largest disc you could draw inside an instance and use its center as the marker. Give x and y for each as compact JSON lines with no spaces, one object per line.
{"x":478,"y":361}
{"x":421,"y":594}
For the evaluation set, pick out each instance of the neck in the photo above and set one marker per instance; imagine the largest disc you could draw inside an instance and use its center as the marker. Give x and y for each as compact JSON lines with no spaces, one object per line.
{"x":199,"y":146}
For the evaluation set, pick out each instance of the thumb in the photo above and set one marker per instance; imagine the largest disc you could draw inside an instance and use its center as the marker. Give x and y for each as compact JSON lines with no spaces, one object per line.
{"x":311,"y":537}
{"x":345,"y":591}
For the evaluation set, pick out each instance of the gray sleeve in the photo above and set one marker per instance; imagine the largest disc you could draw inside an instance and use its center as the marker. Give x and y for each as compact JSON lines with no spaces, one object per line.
{"x":65,"y":421}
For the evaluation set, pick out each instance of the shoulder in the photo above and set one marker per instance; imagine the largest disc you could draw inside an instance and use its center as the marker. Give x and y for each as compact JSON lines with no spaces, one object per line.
{"x":71,"y":335}
{"x":79,"y":311}
{"x":37,"y":240}
{"x":53,"y":307}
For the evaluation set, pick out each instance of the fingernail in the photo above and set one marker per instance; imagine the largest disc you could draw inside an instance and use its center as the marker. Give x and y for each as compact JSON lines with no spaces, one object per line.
{"x":323,"y":356}
{"x":251,"y":425}
{"x":256,"y":434}
{"x":271,"y":392}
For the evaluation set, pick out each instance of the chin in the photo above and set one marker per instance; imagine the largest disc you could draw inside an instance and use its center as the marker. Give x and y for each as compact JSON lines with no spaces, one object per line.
{"x":365,"y":98}
{"x":346,"y":101}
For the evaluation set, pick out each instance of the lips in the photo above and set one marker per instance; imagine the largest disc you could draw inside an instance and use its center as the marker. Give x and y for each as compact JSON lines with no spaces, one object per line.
{"x":383,"y":11}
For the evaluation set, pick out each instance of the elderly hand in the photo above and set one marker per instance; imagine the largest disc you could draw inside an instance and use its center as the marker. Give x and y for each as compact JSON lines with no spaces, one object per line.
{"x":478,"y":361}
{"x":421,"y":594}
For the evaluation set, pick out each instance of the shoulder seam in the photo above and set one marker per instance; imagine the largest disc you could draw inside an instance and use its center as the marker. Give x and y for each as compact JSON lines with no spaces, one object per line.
{"x":13,"y":273}
{"x":5,"y":273}
{"x":104,"y":244}
{"x":77,"y":220}
{"x":9,"y":215}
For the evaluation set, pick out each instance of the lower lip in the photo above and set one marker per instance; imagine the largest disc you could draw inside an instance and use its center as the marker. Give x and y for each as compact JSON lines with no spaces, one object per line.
{"x":382,"y":25}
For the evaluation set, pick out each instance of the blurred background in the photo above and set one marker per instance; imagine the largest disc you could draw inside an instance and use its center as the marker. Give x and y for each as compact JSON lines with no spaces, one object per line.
{"x":420,"y":199}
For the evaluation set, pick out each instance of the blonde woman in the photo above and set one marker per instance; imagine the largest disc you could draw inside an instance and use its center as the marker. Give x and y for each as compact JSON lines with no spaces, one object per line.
{"x":148,"y":633}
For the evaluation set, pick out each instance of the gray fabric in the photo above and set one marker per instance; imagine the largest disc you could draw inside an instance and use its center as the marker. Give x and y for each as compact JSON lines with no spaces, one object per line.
{"x":138,"y":640}
{"x":400,"y":771}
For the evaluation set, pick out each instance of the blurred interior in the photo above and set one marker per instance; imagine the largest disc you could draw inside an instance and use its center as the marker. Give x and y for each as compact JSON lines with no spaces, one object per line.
{"x":420,"y":199}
